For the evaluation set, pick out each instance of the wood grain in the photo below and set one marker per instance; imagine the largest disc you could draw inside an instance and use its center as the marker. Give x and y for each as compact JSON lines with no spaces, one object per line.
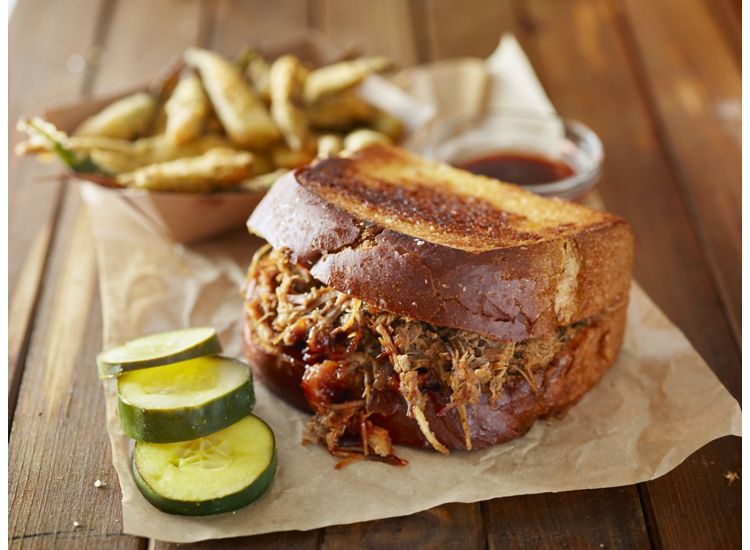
{"x":448,"y":526}
{"x":474,"y":29}
{"x":139,"y":45}
{"x":41,"y":72}
{"x":543,"y":521}
{"x":670,"y":264}
{"x":376,"y":28}
{"x":58,"y":444}
{"x":694,"y":89}
{"x":235,"y":24}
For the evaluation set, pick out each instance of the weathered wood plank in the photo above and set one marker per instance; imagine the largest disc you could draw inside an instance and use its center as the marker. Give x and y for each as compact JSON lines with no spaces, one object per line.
{"x":297,"y":540}
{"x":41,"y":72}
{"x":604,"y":92}
{"x":694,"y":88}
{"x":473,"y":29}
{"x":447,"y":526}
{"x":58,"y":445}
{"x":139,"y":44}
{"x":378,"y":28}
{"x":239,"y":23}
{"x":728,"y":15}
{"x":540,"y":522}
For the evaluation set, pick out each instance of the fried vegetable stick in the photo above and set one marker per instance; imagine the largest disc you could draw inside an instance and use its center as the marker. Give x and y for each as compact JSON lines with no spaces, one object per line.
{"x":111,"y":155}
{"x":286,"y":77}
{"x":186,"y":110}
{"x":359,"y":139}
{"x":341,"y":76}
{"x":45,"y":139}
{"x":262,"y":182}
{"x":259,"y":71}
{"x":217,"y":169}
{"x":126,"y":118}
{"x":329,"y":145}
{"x":339,"y":111}
{"x":147,"y":151}
{"x":240,"y":110}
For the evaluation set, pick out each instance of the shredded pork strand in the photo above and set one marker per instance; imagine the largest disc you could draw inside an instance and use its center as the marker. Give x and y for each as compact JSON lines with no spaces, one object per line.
{"x":341,"y":338}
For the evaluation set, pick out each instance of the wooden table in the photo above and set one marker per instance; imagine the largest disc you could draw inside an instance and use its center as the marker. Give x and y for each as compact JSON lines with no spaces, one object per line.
{"x":660,"y":83}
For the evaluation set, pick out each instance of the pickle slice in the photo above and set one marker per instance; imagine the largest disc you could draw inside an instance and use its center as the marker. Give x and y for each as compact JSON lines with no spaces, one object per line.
{"x":210,"y":475}
{"x":158,"y":349}
{"x":185,"y":400}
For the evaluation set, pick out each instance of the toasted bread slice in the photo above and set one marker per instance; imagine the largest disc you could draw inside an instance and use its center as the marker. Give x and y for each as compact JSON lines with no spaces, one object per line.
{"x":448,"y":247}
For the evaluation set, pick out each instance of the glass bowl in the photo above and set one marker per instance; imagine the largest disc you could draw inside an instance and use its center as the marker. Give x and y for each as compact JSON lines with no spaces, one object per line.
{"x":527,"y":134}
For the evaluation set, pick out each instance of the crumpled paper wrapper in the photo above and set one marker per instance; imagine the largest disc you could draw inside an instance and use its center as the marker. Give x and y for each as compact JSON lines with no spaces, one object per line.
{"x":659,"y":403}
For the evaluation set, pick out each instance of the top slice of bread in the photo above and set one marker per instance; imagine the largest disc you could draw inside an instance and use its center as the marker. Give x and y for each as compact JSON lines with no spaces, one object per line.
{"x":445,"y":246}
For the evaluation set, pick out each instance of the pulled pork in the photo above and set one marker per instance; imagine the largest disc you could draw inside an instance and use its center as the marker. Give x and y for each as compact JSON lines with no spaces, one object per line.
{"x":351,"y":348}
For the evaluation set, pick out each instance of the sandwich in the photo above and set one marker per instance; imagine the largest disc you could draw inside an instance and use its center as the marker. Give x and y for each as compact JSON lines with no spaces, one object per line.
{"x":403,"y":301}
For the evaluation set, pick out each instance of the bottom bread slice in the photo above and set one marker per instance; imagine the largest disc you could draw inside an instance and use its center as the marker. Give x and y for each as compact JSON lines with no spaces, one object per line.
{"x":373,"y":379}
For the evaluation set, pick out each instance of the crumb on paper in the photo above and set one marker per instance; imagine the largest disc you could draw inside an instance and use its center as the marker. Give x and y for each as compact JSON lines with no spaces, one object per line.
{"x":731,"y":477}
{"x":99,"y":483}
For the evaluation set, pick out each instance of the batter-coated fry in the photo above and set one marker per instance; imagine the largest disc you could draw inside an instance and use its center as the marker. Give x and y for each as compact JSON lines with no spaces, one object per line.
{"x":126,"y":118}
{"x":286,"y":77}
{"x":341,"y":76}
{"x":217,"y":169}
{"x":240,"y":110}
{"x":186,"y":110}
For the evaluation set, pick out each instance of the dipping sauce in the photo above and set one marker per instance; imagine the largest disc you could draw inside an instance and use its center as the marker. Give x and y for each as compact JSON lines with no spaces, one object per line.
{"x":519,"y":168}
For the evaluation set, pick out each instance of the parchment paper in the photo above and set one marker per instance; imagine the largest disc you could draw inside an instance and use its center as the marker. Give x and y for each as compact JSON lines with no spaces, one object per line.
{"x":659,"y":402}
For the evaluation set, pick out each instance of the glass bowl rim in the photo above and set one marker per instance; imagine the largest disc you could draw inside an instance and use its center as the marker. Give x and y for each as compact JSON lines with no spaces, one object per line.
{"x":581,"y":134}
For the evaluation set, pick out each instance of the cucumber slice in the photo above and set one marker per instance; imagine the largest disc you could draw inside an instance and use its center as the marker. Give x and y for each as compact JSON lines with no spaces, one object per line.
{"x":158,"y":349}
{"x":185,"y":400}
{"x":217,"y":473}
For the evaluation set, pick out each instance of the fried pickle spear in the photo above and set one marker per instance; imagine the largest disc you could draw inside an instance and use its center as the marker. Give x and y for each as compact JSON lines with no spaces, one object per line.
{"x":339,"y":111}
{"x":263,"y":182}
{"x":364,"y":137}
{"x":259,"y":71}
{"x":45,"y":139}
{"x":341,"y":76}
{"x":108,"y":155}
{"x":329,"y":145}
{"x":217,"y":169}
{"x":126,"y":118}
{"x":240,"y":110}
{"x":145,"y":151}
{"x":186,"y":110}
{"x":286,"y":78}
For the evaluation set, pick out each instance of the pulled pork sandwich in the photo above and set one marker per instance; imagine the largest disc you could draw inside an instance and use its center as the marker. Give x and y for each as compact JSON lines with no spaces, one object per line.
{"x":408,"y":302}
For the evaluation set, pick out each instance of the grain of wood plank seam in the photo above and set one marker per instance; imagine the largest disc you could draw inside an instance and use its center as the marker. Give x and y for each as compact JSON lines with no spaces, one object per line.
{"x":730,"y":24}
{"x":628,"y":38}
{"x":104,"y":15}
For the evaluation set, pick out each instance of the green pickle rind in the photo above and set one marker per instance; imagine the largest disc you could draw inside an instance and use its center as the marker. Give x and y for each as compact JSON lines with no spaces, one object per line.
{"x":219,"y":505}
{"x":109,"y":369}
{"x":186,"y":423}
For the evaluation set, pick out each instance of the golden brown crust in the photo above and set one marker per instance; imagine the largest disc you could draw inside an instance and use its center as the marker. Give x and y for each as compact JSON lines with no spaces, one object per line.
{"x":510,"y":292}
{"x":575,"y":369}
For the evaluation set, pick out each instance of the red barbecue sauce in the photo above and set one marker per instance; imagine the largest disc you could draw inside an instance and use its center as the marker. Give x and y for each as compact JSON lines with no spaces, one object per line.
{"x":519,"y":168}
